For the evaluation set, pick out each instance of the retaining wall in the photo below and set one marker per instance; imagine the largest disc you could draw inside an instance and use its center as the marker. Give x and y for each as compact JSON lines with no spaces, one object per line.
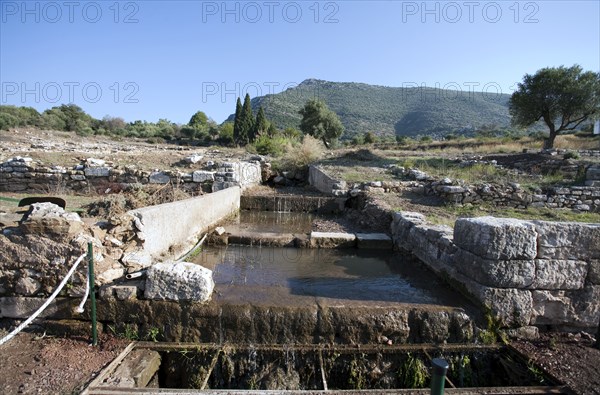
{"x":168,"y":230}
{"x":582,"y":198}
{"x":292,"y":203}
{"x":526,"y":272}
{"x":325,"y":183}
{"x":23,"y":174}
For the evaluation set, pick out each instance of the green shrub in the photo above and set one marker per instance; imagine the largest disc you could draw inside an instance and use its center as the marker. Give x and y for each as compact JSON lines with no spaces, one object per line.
{"x":275,"y":146}
{"x":85,"y":131}
{"x":571,"y":155}
{"x":370,"y":138}
{"x":7,"y":121}
{"x":358,"y":140}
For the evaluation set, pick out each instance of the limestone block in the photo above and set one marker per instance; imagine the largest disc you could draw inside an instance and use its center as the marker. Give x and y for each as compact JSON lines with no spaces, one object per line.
{"x":497,"y":274}
{"x":550,"y":307}
{"x":179,"y":281}
{"x":50,"y":219}
{"x":27,"y":286}
{"x":593,"y":276}
{"x":514,"y":307}
{"x":110,"y":275}
{"x":203,"y":176}
{"x":332,"y":240}
{"x":97,"y":171}
{"x":136,"y":370}
{"x":374,"y":241}
{"x":159,"y":177}
{"x":568,"y":240}
{"x":496,"y":238}
{"x":559,"y":274}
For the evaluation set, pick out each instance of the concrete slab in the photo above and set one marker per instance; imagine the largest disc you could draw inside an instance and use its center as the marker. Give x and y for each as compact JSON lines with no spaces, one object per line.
{"x":374,"y":241}
{"x":171,"y":229}
{"x":332,"y":240}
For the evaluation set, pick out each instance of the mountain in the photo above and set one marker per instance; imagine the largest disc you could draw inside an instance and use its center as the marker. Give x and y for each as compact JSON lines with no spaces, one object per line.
{"x":388,"y":111}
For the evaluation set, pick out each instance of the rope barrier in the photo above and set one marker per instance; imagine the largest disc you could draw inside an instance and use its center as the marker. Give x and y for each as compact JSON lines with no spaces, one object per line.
{"x":43,"y":307}
{"x":86,"y":294}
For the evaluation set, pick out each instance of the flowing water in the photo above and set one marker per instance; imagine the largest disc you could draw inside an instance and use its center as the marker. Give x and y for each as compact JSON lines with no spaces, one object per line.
{"x":276,"y":222}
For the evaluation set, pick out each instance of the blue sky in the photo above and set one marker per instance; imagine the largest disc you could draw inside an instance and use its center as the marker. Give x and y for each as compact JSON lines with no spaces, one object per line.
{"x":168,"y":59}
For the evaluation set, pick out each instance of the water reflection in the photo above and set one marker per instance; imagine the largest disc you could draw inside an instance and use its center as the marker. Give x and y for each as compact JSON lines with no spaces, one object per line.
{"x":277,"y":274}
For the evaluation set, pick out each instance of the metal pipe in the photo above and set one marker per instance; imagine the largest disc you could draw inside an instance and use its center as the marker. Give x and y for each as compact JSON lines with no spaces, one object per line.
{"x":438,"y":378}
{"x":92,"y":292}
{"x":131,"y":276}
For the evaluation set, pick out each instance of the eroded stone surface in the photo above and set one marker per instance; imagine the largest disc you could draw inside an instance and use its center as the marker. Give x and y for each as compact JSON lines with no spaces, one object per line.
{"x":496,"y":238}
{"x":179,"y":281}
{"x":136,"y":370}
{"x":559,"y":274}
{"x":568,"y":240}
{"x":332,"y":240}
{"x":51,"y":220}
{"x":498,"y":274}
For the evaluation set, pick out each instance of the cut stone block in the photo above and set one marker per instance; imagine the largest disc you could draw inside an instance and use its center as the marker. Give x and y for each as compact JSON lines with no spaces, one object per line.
{"x":568,"y":240}
{"x":497,"y":274}
{"x":332,"y":240}
{"x":179,"y":281}
{"x":97,"y":171}
{"x":559,"y":274}
{"x":136,"y":370}
{"x":203,"y":176}
{"x":159,"y":178}
{"x":496,"y":238}
{"x":374,"y":241}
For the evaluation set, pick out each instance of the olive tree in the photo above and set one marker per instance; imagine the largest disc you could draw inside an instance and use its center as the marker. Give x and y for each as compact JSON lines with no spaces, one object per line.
{"x":320,"y":122}
{"x":562,"y":97}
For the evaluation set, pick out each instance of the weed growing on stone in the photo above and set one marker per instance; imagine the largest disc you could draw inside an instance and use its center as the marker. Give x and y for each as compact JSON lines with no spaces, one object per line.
{"x":413,"y":373}
{"x":153,"y":334}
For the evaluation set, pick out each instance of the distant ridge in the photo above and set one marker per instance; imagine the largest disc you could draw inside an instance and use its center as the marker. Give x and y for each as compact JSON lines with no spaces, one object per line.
{"x":388,"y":111}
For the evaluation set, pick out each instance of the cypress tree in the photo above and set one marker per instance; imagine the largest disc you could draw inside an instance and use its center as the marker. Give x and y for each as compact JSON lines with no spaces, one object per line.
{"x":261,"y":125}
{"x":246,"y":122}
{"x":237,"y":121}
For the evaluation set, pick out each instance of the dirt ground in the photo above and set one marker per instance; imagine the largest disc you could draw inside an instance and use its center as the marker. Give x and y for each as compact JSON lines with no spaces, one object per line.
{"x":37,"y":364}
{"x":571,"y":358}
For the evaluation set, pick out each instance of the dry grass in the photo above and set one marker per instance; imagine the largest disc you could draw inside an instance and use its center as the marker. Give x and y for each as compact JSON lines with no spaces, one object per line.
{"x":302,"y":155}
{"x":571,"y":141}
{"x":543,"y":214}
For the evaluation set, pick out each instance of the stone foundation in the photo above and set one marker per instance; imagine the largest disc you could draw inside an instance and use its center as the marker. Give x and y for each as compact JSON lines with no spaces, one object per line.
{"x":525,"y":272}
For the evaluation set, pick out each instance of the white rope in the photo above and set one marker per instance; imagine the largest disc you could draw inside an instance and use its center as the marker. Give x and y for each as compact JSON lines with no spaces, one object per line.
{"x":43,"y":307}
{"x":87,"y":291}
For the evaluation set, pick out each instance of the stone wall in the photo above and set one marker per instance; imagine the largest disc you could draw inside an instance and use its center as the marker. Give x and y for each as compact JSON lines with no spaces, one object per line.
{"x":325,"y":183}
{"x":21,"y":174}
{"x":526,"y":272}
{"x":582,"y":198}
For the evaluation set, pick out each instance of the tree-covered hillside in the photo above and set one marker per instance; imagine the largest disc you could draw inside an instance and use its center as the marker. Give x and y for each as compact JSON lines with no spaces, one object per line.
{"x":391,"y":111}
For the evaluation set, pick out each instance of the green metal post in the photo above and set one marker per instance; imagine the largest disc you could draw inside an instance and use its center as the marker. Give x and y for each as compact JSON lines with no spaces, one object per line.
{"x":438,"y":378}
{"x":92,"y":292}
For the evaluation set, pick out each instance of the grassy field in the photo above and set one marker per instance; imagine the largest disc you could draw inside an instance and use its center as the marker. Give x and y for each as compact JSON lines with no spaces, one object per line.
{"x":543,"y":214}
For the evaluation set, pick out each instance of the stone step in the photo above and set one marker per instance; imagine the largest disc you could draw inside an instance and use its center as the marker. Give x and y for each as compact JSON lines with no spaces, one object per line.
{"x":332,"y":240}
{"x":374,"y":241}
